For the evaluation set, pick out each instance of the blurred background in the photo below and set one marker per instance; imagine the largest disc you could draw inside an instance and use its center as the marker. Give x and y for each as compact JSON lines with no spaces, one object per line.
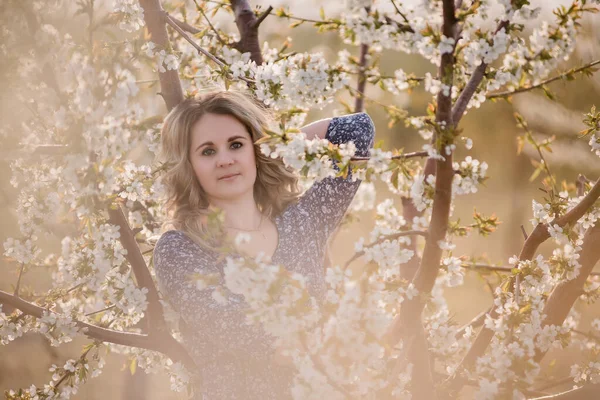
{"x":507,"y":193}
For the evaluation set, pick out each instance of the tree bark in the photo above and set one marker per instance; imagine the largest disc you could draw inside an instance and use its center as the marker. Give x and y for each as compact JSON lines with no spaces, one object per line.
{"x":170,"y":85}
{"x":247,"y":24}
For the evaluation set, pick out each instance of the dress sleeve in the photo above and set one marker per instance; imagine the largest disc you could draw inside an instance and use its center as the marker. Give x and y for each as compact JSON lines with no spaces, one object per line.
{"x":326,"y":201}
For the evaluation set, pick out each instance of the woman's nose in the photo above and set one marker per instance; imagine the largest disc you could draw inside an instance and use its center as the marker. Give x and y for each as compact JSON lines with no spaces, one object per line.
{"x":224,"y":159}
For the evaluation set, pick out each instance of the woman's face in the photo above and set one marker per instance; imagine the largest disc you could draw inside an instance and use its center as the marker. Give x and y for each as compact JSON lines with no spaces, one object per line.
{"x":222,"y":155}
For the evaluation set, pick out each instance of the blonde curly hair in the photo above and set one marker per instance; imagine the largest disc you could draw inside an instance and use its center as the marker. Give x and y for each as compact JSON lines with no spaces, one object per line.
{"x":187,"y":205}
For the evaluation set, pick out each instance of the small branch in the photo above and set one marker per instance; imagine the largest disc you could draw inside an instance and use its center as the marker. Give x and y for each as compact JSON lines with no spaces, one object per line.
{"x":400,"y":13}
{"x":500,"y":268}
{"x":245,"y":20}
{"x":525,"y":235}
{"x":262,"y":17}
{"x":465,"y":96}
{"x":171,"y":22}
{"x":16,"y":294}
{"x":398,"y":157}
{"x":509,"y":93}
{"x":139,"y":267}
{"x":362,"y":80}
{"x":185,"y":26}
{"x":565,"y":294}
{"x":219,"y":38}
{"x":222,"y":65}
{"x":475,"y":322}
{"x":99,"y":311}
{"x":585,"y":392}
{"x":163,"y":343}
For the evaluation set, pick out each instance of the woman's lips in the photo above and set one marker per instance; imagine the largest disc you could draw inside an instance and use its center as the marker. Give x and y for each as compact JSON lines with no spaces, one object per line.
{"x":228,"y":177}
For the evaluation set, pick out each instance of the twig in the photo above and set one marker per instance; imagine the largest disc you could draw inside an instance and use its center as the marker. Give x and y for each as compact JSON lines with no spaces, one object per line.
{"x":584,"y":392}
{"x":362,"y":80}
{"x":262,"y":17}
{"x":500,"y":268}
{"x":185,"y":26}
{"x":66,"y":375}
{"x":547,"y":81}
{"x":398,"y":157}
{"x":138,"y":265}
{"x":465,"y":96}
{"x":16,"y":294}
{"x":475,"y":322}
{"x":219,"y":38}
{"x":99,"y":311}
{"x":171,"y":22}
{"x":401,"y":13}
{"x":163,"y":343}
{"x":524,"y":232}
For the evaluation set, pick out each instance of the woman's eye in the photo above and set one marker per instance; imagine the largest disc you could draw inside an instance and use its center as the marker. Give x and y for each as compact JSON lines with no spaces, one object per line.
{"x":207,"y":152}
{"x":236,"y":144}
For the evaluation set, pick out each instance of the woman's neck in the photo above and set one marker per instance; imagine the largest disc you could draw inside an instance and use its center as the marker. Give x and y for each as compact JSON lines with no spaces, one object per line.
{"x":241,"y":213}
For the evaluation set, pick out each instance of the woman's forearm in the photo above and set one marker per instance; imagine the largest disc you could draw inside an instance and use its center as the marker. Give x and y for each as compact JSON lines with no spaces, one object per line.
{"x":316,"y":129}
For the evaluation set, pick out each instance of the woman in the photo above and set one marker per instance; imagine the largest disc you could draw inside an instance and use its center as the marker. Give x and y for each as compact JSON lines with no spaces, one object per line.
{"x":209,"y":142}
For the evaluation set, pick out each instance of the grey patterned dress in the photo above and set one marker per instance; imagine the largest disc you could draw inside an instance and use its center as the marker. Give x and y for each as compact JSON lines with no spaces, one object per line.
{"x":235,"y":358}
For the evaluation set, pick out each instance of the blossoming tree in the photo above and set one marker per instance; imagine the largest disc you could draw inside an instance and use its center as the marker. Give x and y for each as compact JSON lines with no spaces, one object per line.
{"x":386,"y":329}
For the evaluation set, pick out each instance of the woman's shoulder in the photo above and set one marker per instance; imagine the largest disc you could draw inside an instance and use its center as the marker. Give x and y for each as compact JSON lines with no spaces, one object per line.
{"x":172,"y":238}
{"x":177,"y":244}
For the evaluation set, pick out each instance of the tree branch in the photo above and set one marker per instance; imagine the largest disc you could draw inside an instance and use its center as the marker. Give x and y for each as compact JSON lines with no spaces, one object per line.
{"x":170,"y":85}
{"x":262,"y":17}
{"x":185,"y":26}
{"x":585,"y":392}
{"x":163,"y":343}
{"x":465,"y":96}
{"x":359,"y":103}
{"x":547,"y":81}
{"x":406,"y":323}
{"x":219,"y":38}
{"x":140,"y":270}
{"x":245,"y":19}
{"x":18,"y":285}
{"x":535,"y":239}
{"x":475,"y":322}
{"x":565,"y":294}
{"x":169,"y":20}
{"x":398,"y":157}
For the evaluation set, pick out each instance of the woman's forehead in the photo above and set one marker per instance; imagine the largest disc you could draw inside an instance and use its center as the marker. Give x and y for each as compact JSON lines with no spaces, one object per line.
{"x":217,"y":128}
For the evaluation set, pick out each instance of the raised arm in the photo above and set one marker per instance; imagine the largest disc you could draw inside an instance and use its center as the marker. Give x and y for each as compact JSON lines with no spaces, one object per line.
{"x":327,"y":200}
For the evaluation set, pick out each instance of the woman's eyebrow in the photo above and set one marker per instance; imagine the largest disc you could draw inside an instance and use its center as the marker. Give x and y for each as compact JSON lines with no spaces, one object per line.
{"x":231,"y":139}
